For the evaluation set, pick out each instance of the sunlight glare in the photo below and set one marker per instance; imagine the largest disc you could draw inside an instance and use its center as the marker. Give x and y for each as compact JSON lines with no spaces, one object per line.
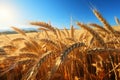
{"x":8,"y":15}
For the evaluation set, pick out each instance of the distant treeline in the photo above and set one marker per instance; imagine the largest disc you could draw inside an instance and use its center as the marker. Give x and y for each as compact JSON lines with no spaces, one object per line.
{"x":13,"y":32}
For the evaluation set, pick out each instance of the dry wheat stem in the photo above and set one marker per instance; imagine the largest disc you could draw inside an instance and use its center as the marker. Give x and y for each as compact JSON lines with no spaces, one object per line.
{"x":113,"y":67}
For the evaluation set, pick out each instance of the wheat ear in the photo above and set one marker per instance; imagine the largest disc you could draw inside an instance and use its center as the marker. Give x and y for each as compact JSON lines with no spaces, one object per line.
{"x":72,"y":31}
{"x":61,"y":58}
{"x":17,"y":39}
{"x":31,"y":74}
{"x":49,"y":41}
{"x":45,"y":30}
{"x":19,"y":31}
{"x":94,"y":34}
{"x":105,"y":23}
{"x":59,"y":33}
{"x":99,"y":27}
{"x":67,"y":32}
{"x":45,"y":25}
{"x":117,"y":20}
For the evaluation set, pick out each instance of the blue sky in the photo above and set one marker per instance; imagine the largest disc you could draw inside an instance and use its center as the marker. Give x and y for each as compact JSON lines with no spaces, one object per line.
{"x":21,"y":12}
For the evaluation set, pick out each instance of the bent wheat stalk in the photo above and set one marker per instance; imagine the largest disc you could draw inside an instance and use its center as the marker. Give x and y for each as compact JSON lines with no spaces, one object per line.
{"x":31,"y":74}
{"x":61,"y":58}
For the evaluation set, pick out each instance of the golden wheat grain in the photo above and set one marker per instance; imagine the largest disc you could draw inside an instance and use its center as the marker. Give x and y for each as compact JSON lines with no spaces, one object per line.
{"x":31,"y":74}
{"x":99,"y":27}
{"x":66,"y":32}
{"x":96,"y":35}
{"x":19,"y":31}
{"x":64,"y":54}
{"x":70,"y":39}
{"x":45,"y":30}
{"x":33,"y":43}
{"x":105,"y":23}
{"x":45,"y":25}
{"x":91,"y":41}
{"x":28,"y":54}
{"x":72,"y":32}
{"x":9,"y":48}
{"x":31,"y":56}
{"x":59,"y":33}
{"x":17,"y":39}
{"x":27,"y":61}
{"x":117,"y":20}
{"x":49,"y":41}
{"x":33,"y":47}
{"x":24,"y":49}
{"x":63,"y":33}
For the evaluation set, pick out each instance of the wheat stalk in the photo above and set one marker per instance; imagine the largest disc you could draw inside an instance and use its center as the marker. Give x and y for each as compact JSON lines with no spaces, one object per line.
{"x":113,"y":67}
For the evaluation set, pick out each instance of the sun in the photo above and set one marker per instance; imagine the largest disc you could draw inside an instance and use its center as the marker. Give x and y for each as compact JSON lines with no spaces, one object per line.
{"x":6,"y":12}
{"x":9,"y":15}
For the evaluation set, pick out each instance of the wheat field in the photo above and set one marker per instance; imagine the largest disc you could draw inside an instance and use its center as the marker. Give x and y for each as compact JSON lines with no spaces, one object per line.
{"x":91,"y":53}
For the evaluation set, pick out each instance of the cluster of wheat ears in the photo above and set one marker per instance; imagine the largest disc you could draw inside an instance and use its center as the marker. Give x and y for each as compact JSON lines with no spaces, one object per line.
{"x":54,"y":54}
